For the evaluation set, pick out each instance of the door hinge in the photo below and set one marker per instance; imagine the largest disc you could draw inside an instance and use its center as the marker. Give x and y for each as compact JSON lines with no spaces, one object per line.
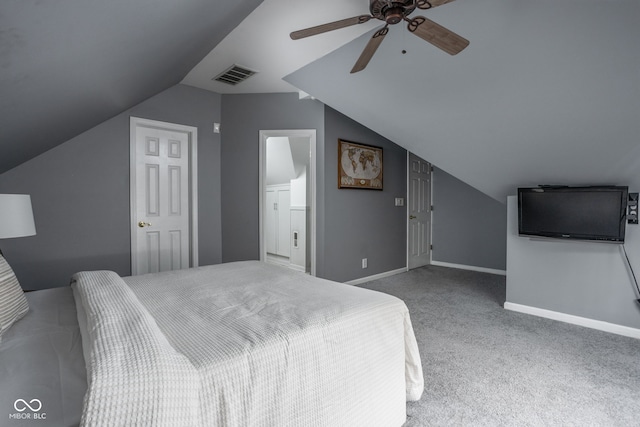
{"x":431,"y":208}
{"x":431,"y":247}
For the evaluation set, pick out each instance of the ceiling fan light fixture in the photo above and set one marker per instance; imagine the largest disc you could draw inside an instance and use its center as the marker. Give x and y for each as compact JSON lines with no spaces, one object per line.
{"x":393,"y":15}
{"x":392,"y":12}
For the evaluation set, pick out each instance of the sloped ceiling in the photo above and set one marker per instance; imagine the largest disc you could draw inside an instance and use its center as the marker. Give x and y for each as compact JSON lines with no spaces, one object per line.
{"x":261,"y":42}
{"x":68,"y":65}
{"x":280,"y":165}
{"x":548,"y":92}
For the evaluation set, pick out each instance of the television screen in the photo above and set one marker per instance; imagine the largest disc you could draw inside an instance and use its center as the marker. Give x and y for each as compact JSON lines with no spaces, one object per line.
{"x":588,"y":213}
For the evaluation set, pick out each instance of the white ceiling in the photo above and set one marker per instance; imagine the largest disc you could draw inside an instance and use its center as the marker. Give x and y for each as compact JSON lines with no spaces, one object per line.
{"x":262,"y":43}
{"x":548,"y":92}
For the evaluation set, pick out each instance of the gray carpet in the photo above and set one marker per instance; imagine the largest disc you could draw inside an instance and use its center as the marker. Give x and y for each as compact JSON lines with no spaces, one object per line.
{"x":487,"y":366}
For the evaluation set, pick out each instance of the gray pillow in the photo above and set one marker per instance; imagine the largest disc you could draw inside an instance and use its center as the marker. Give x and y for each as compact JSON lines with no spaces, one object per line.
{"x":13,"y":304}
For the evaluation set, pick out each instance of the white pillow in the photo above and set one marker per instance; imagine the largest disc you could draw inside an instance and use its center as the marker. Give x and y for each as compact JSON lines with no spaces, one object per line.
{"x":13,"y":304}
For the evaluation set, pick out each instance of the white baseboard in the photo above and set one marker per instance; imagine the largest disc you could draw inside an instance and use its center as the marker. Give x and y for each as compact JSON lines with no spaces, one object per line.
{"x":470,"y":267}
{"x":575,"y":320}
{"x":376,"y":276}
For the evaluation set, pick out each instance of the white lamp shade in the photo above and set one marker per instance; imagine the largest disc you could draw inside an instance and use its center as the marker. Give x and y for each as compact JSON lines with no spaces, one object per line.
{"x":16,"y":216}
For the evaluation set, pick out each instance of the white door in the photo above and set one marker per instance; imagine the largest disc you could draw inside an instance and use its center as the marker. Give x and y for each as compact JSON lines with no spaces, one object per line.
{"x":284,"y":223}
{"x":419,"y":207}
{"x":278,"y":220}
{"x":298,"y":247}
{"x":271,"y":228}
{"x":161,"y":214}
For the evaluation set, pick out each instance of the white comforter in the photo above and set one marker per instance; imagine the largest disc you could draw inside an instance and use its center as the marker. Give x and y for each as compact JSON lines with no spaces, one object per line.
{"x":244,"y":344}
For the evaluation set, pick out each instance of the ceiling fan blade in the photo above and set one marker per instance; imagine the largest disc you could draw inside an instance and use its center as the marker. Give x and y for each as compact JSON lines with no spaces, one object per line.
{"x":430,"y":4}
{"x":437,"y":35}
{"x":319,"y":29}
{"x":370,"y":49}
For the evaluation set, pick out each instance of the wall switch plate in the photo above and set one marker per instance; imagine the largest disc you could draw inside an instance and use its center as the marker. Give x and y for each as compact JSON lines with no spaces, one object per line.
{"x":399,"y":201}
{"x":216,"y":128}
{"x":364,"y":263}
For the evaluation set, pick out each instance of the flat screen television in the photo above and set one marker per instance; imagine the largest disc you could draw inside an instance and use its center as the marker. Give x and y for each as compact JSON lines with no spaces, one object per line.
{"x":596,"y":213}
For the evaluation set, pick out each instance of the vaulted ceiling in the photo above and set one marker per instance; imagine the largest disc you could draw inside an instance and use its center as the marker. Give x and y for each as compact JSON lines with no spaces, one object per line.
{"x":68,"y":65}
{"x":547,"y":91}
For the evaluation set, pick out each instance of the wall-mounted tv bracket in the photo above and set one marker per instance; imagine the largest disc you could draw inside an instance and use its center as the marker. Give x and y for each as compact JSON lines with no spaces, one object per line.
{"x":632,"y":209}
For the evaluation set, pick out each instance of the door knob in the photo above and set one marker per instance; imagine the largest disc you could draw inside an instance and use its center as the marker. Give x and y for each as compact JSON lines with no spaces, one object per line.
{"x":412,"y":217}
{"x":143,"y":224}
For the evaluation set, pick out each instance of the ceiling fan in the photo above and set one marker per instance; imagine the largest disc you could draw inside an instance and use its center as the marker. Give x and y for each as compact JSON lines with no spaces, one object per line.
{"x":393,"y":12}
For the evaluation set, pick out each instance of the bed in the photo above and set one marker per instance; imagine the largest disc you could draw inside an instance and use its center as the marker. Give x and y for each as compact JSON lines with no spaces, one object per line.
{"x":237,"y":344}
{"x":41,"y":358}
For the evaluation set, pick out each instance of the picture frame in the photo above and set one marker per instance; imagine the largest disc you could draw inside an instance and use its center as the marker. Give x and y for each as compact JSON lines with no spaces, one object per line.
{"x":359,"y":166}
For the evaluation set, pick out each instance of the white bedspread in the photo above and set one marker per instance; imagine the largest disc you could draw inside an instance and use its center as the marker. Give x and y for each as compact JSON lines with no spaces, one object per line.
{"x":245,"y":344}
{"x":41,"y":358}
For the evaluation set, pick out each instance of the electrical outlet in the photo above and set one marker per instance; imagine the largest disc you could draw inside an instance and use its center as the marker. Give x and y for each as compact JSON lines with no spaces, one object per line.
{"x":364,"y":263}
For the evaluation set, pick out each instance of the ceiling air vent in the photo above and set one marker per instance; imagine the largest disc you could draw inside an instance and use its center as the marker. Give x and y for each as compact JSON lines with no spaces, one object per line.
{"x":234,"y":75}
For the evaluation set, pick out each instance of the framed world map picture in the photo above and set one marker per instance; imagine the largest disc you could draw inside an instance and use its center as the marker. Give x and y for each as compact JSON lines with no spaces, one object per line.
{"x":359,"y":166}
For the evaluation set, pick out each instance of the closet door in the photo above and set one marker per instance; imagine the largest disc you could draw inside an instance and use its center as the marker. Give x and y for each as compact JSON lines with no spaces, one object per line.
{"x":271,"y":226}
{"x":284,"y":223}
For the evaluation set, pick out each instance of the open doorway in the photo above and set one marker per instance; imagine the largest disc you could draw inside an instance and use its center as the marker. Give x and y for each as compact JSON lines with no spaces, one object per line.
{"x":288,"y":197}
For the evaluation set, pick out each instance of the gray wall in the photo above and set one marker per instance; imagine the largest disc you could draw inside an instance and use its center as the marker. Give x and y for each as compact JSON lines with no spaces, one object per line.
{"x":243,"y":116}
{"x":585,"y":279}
{"x":80,"y":193}
{"x":351,"y":224}
{"x":363,"y":223}
{"x":469,"y":227}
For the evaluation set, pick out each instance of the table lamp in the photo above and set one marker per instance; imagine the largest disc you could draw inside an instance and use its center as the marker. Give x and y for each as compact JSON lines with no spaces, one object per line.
{"x":16,"y":216}
{"x":16,"y":220}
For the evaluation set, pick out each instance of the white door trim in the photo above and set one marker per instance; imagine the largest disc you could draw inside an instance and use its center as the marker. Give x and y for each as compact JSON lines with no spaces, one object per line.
{"x":406,"y":206}
{"x":192,"y":132}
{"x":291,"y":133}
